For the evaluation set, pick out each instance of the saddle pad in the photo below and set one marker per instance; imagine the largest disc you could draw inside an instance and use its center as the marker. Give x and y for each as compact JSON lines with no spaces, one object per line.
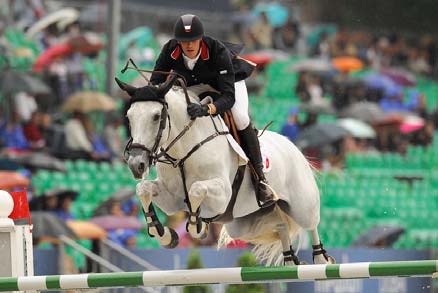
{"x":196,"y":90}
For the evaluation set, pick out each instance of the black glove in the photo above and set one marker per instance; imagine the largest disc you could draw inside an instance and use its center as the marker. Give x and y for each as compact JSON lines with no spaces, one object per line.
{"x":196,"y":110}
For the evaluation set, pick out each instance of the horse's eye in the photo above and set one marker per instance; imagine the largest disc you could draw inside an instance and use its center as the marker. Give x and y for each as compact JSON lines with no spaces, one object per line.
{"x":156,"y":117}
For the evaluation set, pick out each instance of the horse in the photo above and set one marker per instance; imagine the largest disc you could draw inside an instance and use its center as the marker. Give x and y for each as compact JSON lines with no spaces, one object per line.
{"x":199,"y":172}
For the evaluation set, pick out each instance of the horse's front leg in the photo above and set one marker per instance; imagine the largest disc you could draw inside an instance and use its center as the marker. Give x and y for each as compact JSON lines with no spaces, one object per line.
{"x":166,"y":236}
{"x":212,"y":193}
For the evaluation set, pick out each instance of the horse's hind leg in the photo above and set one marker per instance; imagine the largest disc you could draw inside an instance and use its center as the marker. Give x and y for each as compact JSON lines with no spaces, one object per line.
{"x":166,"y":236}
{"x":289,"y":255}
{"x":320,"y":255}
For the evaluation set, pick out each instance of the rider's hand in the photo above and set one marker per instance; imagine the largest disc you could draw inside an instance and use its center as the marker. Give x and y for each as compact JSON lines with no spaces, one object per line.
{"x":196,"y":110}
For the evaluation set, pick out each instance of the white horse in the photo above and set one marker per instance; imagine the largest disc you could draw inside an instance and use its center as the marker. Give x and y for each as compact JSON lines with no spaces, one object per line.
{"x":196,"y":167}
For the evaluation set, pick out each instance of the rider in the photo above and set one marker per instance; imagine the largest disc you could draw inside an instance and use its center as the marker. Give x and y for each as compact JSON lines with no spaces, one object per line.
{"x":205,"y":60}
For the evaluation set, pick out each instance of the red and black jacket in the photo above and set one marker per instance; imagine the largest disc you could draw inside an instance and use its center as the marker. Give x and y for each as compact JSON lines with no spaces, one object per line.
{"x":217,"y":66}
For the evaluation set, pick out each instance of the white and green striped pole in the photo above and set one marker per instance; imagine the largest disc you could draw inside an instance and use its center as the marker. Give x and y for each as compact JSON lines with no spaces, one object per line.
{"x":422,"y":268}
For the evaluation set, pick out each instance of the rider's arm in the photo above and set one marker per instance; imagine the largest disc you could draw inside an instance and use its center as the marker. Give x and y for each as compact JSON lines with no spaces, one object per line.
{"x":225,"y":81}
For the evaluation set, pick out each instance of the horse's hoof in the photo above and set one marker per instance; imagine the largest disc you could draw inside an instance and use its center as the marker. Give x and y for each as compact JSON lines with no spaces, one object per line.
{"x":201,"y":234}
{"x":331,"y":260}
{"x":303,"y":262}
{"x":174,"y":239}
{"x":205,"y":234}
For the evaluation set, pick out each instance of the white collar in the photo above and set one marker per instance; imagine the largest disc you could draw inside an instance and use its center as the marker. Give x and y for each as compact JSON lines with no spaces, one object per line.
{"x":190,"y":63}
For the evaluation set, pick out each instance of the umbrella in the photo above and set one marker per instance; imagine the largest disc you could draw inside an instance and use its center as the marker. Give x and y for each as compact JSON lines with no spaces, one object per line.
{"x":65,"y":16}
{"x":42,"y":202}
{"x":320,"y":134}
{"x":259,"y":58}
{"x":142,"y":36}
{"x":8,"y":165}
{"x":47,"y":224}
{"x":118,"y":222}
{"x":10,"y":180}
{"x":379,"y":236}
{"x":62,"y":193}
{"x":382,"y":82}
{"x":49,"y":55}
{"x":311,"y":65}
{"x":347,"y":63}
{"x":365,"y":111}
{"x":324,"y":107}
{"x":277,"y":14}
{"x":86,"y":230}
{"x":88,"y":101}
{"x":38,"y":160}
{"x":86,"y":43}
{"x":16,"y":81}
{"x":411,"y":123}
{"x":119,"y":196}
{"x":357,"y":128}
{"x":400,"y":76}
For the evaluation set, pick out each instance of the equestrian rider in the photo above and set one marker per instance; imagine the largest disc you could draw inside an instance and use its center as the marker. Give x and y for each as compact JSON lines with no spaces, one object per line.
{"x":205,"y":60}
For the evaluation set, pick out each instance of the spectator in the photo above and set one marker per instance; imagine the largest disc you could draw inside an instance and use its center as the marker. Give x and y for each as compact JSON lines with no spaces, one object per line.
{"x":25,"y":105}
{"x":261,"y":32}
{"x":32,"y":132}
{"x":63,"y":208}
{"x":290,"y":129}
{"x":112,"y":135}
{"x":301,"y":87}
{"x":12,"y":135}
{"x":124,"y":237}
{"x":76,"y":135}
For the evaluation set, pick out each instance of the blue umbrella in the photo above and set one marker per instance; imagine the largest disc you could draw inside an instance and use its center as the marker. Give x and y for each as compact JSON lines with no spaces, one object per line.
{"x":277,"y":13}
{"x":382,"y":82}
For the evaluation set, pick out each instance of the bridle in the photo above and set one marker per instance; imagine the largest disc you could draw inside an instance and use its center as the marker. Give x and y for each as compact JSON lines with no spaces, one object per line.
{"x":152,"y":152}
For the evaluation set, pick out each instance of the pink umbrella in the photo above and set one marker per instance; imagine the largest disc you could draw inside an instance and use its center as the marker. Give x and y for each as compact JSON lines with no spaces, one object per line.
{"x":411,"y":123}
{"x":117,"y":222}
{"x":259,"y":58}
{"x":47,"y":57}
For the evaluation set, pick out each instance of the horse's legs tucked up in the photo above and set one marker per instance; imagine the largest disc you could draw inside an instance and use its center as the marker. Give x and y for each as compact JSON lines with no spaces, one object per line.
{"x":166,"y":236}
{"x":320,"y":256}
{"x":209,"y":191}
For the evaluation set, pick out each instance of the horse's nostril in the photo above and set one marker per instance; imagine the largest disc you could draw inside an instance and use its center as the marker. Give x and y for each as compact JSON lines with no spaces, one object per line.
{"x":141,"y":168}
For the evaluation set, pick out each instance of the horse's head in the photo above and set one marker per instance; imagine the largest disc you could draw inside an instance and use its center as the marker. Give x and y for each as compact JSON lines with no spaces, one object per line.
{"x":148,"y":121}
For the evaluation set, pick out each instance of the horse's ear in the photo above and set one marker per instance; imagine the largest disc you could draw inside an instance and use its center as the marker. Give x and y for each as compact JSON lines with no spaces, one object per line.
{"x":126,"y":87}
{"x":165,"y":87}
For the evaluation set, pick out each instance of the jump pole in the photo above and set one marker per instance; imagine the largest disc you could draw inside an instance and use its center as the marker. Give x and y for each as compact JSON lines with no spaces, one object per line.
{"x":420,"y":268}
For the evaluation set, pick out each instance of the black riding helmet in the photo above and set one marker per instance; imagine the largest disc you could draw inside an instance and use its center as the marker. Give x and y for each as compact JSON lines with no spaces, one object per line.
{"x":188,"y":28}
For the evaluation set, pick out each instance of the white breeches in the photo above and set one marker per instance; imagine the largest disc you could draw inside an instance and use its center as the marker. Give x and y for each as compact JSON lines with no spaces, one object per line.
{"x":240,"y":107}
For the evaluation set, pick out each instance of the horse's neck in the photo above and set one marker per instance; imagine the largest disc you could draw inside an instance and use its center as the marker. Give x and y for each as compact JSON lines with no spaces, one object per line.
{"x":179,"y":119}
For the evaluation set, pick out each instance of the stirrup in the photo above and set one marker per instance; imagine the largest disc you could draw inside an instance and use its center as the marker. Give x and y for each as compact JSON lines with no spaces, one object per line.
{"x":268,"y":202}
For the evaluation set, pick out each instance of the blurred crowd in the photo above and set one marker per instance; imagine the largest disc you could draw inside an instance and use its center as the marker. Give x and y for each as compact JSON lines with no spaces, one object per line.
{"x":49,"y":111}
{"x":386,"y":95}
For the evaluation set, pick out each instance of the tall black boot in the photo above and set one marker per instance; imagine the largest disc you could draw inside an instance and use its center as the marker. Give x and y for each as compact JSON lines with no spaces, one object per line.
{"x":251,"y":146}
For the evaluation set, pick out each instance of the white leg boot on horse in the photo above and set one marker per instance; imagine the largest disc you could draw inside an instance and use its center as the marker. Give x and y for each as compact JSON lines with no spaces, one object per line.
{"x":320,"y":256}
{"x":289,"y":256}
{"x":166,"y":236}
{"x":200,"y":191}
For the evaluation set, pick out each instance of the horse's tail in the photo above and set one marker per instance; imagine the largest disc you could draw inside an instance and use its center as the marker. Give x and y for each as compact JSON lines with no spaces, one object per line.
{"x":268,"y":248}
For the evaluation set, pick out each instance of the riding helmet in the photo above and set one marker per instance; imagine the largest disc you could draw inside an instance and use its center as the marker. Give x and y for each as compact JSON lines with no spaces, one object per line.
{"x":188,"y":28}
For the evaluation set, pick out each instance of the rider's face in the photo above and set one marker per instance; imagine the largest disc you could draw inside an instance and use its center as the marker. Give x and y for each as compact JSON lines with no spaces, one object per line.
{"x":191,"y":48}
